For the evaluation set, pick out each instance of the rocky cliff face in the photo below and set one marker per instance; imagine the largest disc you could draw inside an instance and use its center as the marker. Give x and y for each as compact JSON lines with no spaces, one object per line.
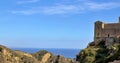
{"x":9,"y":56}
{"x":99,"y":53}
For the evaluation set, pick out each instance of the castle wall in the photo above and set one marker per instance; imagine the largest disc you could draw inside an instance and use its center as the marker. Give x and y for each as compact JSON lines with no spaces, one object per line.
{"x":110,"y":32}
{"x":112,"y":26}
{"x":104,"y":31}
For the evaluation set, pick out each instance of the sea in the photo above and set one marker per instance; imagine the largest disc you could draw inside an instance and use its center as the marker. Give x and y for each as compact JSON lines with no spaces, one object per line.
{"x":67,"y":53}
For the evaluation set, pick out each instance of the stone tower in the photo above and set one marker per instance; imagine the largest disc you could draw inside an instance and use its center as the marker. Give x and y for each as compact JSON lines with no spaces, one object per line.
{"x":98,"y":30}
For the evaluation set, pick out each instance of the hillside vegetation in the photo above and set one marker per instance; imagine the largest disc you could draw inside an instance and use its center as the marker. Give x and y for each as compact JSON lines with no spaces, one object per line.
{"x":100,"y":53}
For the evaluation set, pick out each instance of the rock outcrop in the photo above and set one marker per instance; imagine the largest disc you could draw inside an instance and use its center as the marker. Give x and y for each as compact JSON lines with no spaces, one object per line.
{"x":10,"y":56}
{"x":100,"y":53}
{"x":46,"y":57}
{"x":118,"y":61}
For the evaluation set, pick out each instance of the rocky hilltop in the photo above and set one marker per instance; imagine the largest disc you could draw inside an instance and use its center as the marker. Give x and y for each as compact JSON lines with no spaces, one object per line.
{"x":98,"y":52}
{"x":10,"y":56}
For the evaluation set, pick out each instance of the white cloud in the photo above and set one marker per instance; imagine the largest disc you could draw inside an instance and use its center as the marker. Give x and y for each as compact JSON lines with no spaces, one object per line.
{"x":69,"y":8}
{"x":61,"y":9}
{"x":26,"y":12}
{"x":101,"y":6}
{"x":50,"y":10}
{"x":27,"y":1}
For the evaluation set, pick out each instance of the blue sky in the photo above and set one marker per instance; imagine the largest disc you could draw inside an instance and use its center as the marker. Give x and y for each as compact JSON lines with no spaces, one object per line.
{"x":53,"y":23}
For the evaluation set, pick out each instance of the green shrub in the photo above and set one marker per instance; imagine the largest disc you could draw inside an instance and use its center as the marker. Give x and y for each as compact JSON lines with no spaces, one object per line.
{"x":0,"y":49}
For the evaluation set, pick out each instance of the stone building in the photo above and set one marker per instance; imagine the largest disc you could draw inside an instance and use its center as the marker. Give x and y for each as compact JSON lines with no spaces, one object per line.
{"x":109,"y":32}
